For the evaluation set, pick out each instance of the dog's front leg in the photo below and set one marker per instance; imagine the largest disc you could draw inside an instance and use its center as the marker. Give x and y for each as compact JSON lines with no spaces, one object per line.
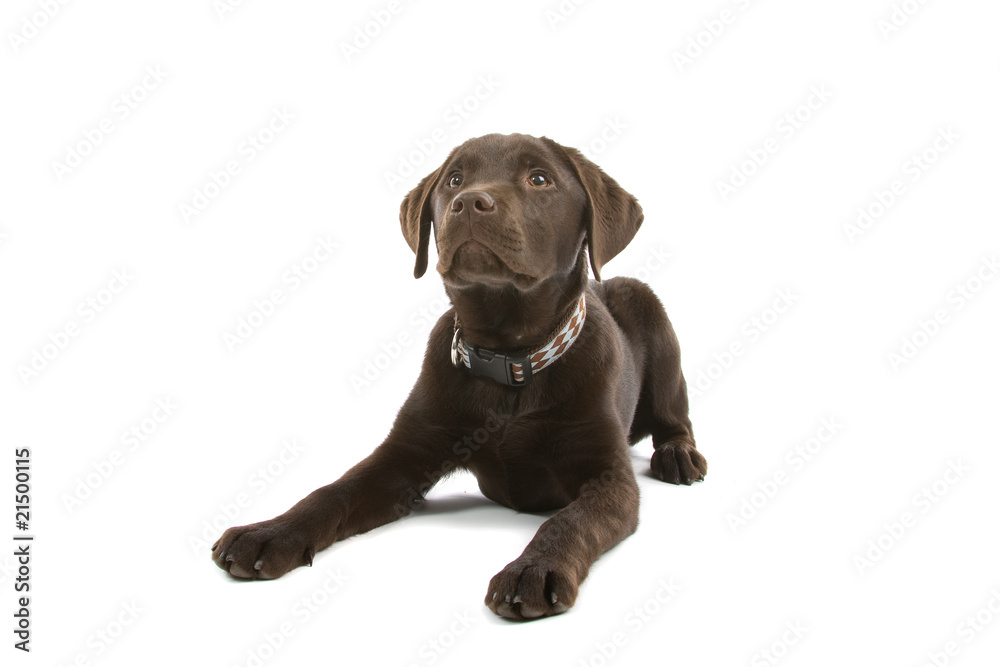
{"x":379,"y":489}
{"x":545,"y":579}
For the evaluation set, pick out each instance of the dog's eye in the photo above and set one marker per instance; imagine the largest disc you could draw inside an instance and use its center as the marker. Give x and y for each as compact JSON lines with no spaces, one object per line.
{"x":538,"y":180}
{"x":455,"y":181}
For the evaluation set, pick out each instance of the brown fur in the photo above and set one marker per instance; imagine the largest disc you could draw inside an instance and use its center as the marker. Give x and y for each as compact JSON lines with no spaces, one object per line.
{"x":513,"y":252}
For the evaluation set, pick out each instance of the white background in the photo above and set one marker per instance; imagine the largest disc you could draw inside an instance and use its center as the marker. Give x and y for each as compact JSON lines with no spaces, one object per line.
{"x":672,"y":132}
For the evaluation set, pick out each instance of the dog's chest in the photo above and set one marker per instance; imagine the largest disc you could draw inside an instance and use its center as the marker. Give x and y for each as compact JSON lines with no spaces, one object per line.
{"x":521,"y":485}
{"x":525,"y":463}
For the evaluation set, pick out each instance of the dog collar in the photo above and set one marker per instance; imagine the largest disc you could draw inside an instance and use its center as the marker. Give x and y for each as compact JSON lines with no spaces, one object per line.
{"x":517,"y":369}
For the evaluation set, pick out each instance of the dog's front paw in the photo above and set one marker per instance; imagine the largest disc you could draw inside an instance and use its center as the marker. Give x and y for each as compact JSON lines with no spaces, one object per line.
{"x":528,"y":589}
{"x":678,"y":463}
{"x":264,"y":550}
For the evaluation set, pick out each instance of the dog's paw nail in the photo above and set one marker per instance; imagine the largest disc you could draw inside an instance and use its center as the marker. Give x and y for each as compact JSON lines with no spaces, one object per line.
{"x":229,"y":558}
{"x":215,"y":546}
{"x":517,"y":600}
{"x":506,"y":599}
{"x":494,"y":596}
{"x":259,"y":565}
{"x":554,"y":597}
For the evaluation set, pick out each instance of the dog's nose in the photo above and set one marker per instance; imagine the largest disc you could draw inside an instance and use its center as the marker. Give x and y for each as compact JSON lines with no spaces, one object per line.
{"x":475,"y":201}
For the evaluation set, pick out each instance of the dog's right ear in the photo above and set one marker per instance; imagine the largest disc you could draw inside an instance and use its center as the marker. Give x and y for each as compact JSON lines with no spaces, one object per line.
{"x":415,"y":217}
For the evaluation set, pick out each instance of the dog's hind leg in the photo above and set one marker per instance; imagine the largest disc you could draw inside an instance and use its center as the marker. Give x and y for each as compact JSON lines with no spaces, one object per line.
{"x":662,"y":408}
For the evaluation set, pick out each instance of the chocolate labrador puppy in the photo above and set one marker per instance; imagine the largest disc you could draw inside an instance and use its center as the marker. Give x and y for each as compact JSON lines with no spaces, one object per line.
{"x":537,"y":381}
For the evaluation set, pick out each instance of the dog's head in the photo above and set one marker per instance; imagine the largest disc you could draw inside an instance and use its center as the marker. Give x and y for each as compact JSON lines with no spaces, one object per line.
{"x":516,"y":209}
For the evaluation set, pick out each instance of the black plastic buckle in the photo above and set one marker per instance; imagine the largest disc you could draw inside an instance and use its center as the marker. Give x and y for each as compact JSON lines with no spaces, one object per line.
{"x":496,"y":366}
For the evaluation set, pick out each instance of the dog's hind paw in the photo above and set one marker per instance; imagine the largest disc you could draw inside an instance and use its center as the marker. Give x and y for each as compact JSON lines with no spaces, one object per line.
{"x":678,"y":463}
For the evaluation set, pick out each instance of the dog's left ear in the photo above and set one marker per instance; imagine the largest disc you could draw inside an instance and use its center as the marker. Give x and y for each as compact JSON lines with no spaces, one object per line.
{"x":415,"y":217}
{"x":612,"y":216}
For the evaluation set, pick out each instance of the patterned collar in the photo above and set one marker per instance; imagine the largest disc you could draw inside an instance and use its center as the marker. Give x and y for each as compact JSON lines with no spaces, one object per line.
{"x":514,"y":370}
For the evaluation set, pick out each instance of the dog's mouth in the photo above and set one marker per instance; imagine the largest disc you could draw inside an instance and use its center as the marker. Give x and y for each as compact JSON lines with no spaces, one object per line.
{"x":473,"y":262}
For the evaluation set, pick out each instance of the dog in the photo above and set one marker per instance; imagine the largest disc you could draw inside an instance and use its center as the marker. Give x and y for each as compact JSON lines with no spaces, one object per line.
{"x":537,"y":380}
